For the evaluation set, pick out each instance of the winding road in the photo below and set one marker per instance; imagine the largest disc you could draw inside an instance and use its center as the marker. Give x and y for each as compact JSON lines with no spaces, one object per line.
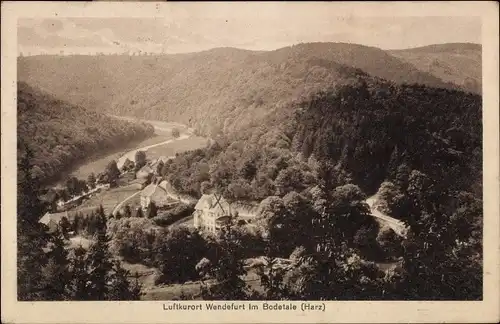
{"x":399,"y":227}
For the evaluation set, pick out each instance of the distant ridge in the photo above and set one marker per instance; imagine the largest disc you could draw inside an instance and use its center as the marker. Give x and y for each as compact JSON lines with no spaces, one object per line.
{"x":459,"y":63}
{"x":446,"y":47}
{"x":223,"y":89}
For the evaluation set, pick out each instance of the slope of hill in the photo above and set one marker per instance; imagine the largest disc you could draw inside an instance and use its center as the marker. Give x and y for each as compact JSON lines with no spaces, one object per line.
{"x":366,"y":130}
{"x":218,"y":90}
{"x":60,"y":134}
{"x":459,"y":63}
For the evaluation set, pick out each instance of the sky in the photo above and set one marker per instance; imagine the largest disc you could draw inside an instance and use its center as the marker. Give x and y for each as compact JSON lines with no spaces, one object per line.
{"x":219,"y":25}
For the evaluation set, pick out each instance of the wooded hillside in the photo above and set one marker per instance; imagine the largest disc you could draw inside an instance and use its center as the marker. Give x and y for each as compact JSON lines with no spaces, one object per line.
{"x":223,"y":89}
{"x":61,"y":134}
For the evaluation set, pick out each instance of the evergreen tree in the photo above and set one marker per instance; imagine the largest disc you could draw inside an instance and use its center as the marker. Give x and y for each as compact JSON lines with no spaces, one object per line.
{"x":79,"y":284}
{"x":31,"y":235}
{"x":128,"y":211}
{"x":159,"y":167}
{"x":99,"y":261}
{"x":139,"y":213}
{"x":152,"y":210}
{"x":120,"y":287}
{"x":227,"y":269}
{"x":56,"y":275}
{"x":112,"y":172}
{"x":140,"y":160}
{"x":272,"y":279}
{"x":91,"y":180}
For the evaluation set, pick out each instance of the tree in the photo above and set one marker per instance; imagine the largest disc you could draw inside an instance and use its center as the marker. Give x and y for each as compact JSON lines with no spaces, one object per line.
{"x":112,"y":172}
{"x":272,"y":278}
{"x":227,"y":268}
{"x":159,"y":167}
{"x":139,"y":213}
{"x":120,"y":287}
{"x":31,"y":236}
{"x":175,"y":133}
{"x":127,"y":212}
{"x":99,"y":263}
{"x":73,"y":186}
{"x":288,"y":180}
{"x":55,"y":274}
{"x":65,"y":226}
{"x":140,"y":160}
{"x":152,"y":210}
{"x":78,"y":284}
{"x":176,"y":263}
{"x":91,"y":180}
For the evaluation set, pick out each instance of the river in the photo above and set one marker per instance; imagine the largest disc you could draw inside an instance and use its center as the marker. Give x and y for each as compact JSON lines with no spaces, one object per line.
{"x":162,"y":137}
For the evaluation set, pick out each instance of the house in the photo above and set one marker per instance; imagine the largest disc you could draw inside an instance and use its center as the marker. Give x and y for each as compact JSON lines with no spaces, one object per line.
{"x":145,"y":172}
{"x":52,"y":220}
{"x":125,"y":164}
{"x":157,"y":194}
{"x":213,"y":211}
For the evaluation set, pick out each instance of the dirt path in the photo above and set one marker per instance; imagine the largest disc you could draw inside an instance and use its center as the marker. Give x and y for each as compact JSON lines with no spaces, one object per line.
{"x":117,"y":208}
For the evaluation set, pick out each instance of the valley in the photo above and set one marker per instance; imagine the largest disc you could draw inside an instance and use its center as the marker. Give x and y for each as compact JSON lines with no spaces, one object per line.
{"x":251,"y":175}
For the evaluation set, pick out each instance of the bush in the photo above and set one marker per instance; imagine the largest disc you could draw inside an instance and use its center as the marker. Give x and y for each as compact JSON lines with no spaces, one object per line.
{"x":178,"y":212}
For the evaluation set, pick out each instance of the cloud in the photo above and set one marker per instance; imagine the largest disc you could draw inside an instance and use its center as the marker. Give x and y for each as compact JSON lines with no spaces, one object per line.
{"x":194,"y":28}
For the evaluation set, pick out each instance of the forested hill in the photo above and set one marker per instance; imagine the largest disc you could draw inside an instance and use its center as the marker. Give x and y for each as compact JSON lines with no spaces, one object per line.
{"x":61,"y":134}
{"x":459,"y":63}
{"x":372,"y":129}
{"x":220,"y":90}
{"x":364,"y":131}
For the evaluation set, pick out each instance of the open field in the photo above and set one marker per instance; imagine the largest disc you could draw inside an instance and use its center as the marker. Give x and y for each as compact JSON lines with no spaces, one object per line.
{"x":99,"y":164}
{"x":163,"y":132}
{"x":110,"y":198}
{"x":161,"y":127}
{"x":146,"y":274}
{"x":183,"y":145}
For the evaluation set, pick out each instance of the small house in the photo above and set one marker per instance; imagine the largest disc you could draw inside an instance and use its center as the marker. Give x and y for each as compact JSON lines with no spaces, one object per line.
{"x":52,"y":220}
{"x":145,"y":172}
{"x":157,"y":194}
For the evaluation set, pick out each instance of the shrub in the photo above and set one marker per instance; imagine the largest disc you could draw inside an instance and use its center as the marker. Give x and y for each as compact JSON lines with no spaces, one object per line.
{"x":171,"y":216}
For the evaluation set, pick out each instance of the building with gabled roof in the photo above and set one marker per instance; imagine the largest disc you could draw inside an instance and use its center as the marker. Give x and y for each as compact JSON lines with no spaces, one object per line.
{"x":157,"y":194}
{"x":212,"y":211}
{"x":144,"y":172}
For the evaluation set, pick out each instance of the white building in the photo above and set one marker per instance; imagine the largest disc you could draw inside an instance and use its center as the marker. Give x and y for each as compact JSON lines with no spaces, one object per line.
{"x":213,"y":211}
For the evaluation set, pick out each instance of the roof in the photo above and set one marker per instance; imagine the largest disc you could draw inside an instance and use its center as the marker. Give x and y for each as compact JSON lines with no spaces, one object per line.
{"x":243,"y":209}
{"x":50,"y":196}
{"x":145,"y":170}
{"x":70,"y":214}
{"x":56,"y":217}
{"x":223,"y":219}
{"x":214,"y":203}
{"x":121,"y":161}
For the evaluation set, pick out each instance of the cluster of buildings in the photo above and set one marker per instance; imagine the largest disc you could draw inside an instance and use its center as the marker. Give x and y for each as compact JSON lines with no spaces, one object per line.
{"x":210,"y":214}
